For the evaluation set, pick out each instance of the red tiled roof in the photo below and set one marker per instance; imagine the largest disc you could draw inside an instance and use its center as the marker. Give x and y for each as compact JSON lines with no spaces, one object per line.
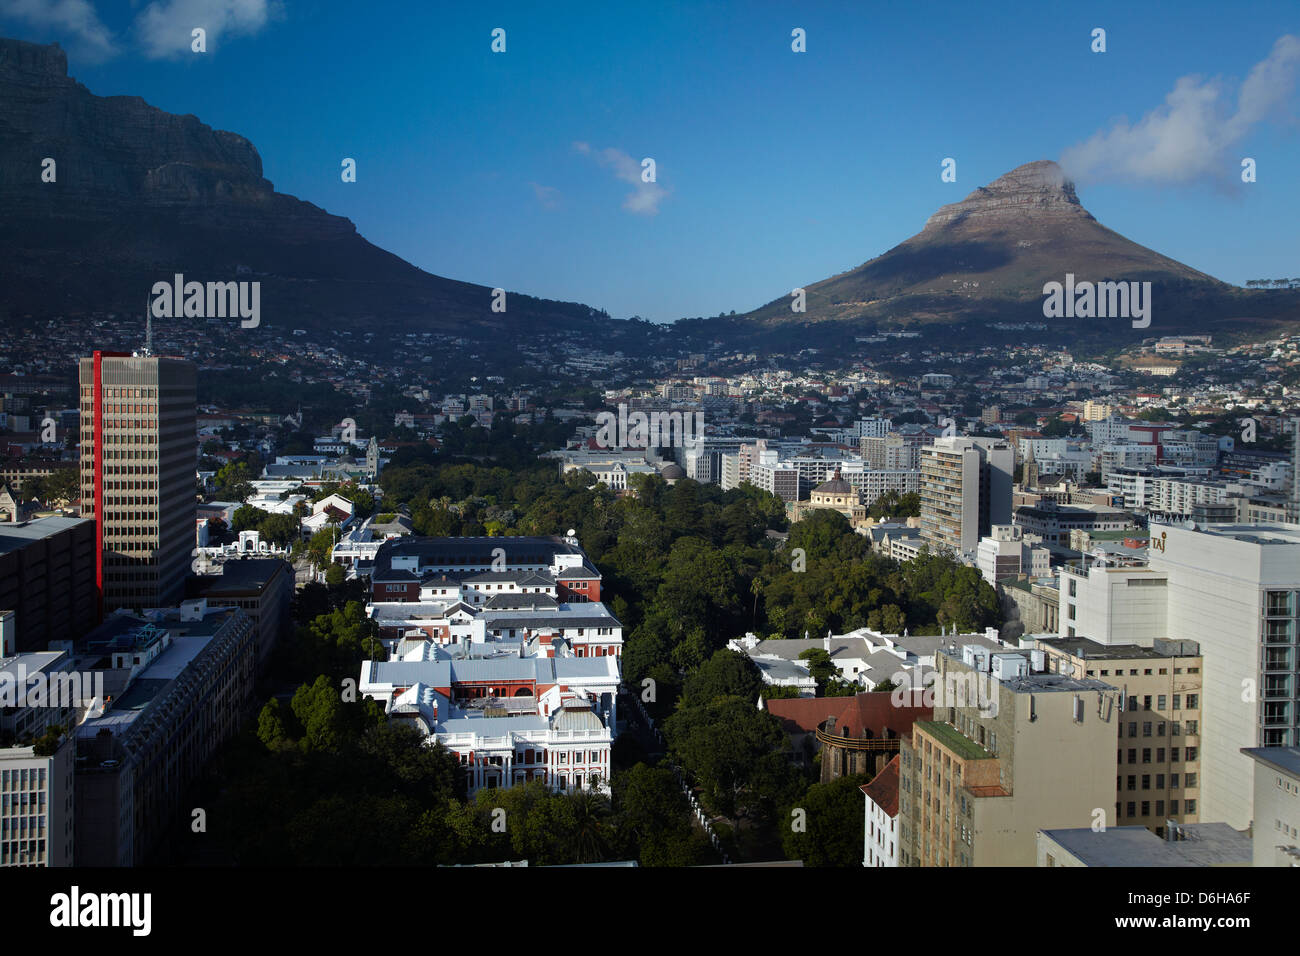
{"x":883,"y":790}
{"x":874,"y":710}
{"x":805,"y":713}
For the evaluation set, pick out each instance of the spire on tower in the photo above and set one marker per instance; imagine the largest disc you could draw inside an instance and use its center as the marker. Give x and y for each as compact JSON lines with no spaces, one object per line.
{"x":148,"y":332}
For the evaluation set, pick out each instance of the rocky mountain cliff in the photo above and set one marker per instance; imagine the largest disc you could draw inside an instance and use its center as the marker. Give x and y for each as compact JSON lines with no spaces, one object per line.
{"x":140,"y":194}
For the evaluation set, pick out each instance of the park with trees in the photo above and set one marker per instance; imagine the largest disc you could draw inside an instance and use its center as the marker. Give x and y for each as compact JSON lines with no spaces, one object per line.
{"x":686,"y":568}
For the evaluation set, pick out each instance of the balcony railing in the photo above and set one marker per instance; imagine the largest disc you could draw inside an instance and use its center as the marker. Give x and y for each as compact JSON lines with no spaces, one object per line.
{"x":859,"y":743}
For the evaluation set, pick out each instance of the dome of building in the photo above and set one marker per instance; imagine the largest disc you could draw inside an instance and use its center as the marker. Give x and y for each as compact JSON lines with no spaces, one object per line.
{"x":672,"y":471}
{"x":835,"y":486}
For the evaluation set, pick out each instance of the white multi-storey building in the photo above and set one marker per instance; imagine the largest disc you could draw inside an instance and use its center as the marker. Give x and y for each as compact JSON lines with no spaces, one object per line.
{"x":478,"y":591}
{"x":1172,"y":497}
{"x":36,"y":790}
{"x":701,"y":456}
{"x":509,"y":720}
{"x":872,"y":427}
{"x":1005,"y":553}
{"x":1113,"y":455}
{"x":880,"y":843}
{"x":1233,"y":590}
{"x":1037,"y":448}
{"x":775,"y":477}
{"x":1115,"y":605}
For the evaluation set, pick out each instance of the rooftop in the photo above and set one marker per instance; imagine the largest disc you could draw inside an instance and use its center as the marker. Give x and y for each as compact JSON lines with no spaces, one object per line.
{"x":1255,"y":533}
{"x":31,"y":662}
{"x":954,"y":740}
{"x":475,"y":553}
{"x":1038,"y":683}
{"x":243,"y":574}
{"x":1286,"y":759}
{"x":1204,"y":844}
{"x":1086,"y":647}
{"x":871,"y":710}
{"x":883,"y":789}
{"x":18,"y":535}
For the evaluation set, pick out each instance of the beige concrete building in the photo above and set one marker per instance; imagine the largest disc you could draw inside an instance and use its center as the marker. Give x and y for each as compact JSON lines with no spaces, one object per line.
{"x":1097,"y":411}
{"x":263,"y":588}
{"x":36,"y":774}
{"x":1158,"y":756}
{"x":1011,"y":750}
{"x":139,"y":756}
{"x":36,"y":812}
{"x":47,"y":577}
{"x":890,"y":452}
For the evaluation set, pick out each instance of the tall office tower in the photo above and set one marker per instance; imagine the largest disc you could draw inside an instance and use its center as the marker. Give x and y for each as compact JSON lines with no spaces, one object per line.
{"x":137,"y":474}
{"x":965,"y":490}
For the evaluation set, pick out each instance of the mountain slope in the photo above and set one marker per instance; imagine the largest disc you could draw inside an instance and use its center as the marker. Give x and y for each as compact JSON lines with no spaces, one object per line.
{"x":988,"y":257}
{"x":141,"y":194}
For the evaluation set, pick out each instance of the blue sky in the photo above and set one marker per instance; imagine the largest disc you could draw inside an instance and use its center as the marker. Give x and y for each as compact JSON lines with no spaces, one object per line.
{"x":776,"y":168}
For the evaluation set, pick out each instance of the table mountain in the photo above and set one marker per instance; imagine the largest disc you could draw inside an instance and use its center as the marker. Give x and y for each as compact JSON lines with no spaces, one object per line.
{"x":140,"y":194}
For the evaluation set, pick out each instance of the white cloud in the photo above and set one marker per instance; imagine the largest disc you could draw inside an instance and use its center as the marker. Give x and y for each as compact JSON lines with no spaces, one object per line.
{"x":1196,"y":133}
{"x":548,"y":196}
{"x":165,"y":26}
{"x":645,"y":197}
{"x":90,"y":39}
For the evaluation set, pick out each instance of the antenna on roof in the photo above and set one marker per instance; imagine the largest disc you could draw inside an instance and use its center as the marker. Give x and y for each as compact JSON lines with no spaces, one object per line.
{"x":148,"y":331}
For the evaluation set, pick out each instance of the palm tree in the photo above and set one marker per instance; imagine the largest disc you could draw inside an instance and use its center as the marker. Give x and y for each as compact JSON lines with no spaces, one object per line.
{"x":591,"y":815}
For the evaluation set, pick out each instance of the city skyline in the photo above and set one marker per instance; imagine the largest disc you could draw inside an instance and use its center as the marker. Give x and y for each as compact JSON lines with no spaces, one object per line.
{"x":940,"y":510}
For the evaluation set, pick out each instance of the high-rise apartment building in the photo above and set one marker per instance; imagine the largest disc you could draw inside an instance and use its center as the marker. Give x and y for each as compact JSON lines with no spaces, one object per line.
{"x":889,"y":452}
{"x":965,"y":490}
{"x":137,"y":474}
{"x":872,"y":427}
